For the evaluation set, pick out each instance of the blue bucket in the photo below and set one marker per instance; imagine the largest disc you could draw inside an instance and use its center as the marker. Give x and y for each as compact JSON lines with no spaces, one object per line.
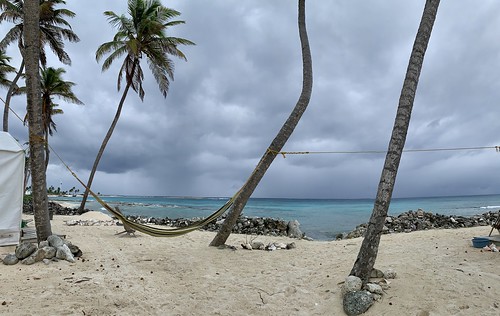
{"x":480,"y":242}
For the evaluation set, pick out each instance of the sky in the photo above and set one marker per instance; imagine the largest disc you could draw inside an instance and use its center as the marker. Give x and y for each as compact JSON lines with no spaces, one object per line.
{"x":242,"y":80}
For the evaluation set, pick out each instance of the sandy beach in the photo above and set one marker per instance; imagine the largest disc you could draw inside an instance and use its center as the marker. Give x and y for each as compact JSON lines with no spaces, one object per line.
{"x":439,"y":273}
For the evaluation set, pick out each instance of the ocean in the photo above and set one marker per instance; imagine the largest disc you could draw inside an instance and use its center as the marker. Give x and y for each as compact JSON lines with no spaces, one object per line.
{"x":320,"y":219}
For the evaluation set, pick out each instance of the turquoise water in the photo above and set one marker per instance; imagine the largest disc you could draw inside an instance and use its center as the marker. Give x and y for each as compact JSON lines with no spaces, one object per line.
{"x":320,"y":219}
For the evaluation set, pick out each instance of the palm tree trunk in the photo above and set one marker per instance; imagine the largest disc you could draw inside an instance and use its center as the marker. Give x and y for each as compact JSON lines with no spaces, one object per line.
{"x":35,"y":115}
{"x":369,"y":247}
{"x":10,"y":92}
{"x":105,"y":141}
{"x":280,"y":139}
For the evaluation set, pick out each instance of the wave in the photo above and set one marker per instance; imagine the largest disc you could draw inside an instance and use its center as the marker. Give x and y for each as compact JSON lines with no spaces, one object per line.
{"x":491,"y":206}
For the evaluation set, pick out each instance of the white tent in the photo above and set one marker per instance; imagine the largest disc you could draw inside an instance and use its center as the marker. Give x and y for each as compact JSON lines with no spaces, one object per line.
{"x":11,"y":189}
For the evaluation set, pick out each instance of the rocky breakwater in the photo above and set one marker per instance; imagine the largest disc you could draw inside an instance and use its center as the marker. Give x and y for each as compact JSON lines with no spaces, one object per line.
{"x":53,"y":249}
{"x":421,"y":220}
{"x":55,"y":208}
{"x":244,"y":225}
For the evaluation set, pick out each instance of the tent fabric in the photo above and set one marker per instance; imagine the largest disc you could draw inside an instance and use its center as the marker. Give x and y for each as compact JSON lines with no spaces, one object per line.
{"x":11,"y":189}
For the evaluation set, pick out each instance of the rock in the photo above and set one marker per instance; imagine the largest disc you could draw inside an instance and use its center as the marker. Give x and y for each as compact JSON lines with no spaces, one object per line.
{"x":280,"y":245}
{"x":258,"y":245}
{"x":37,"y":256}
{"x":10,"y":259}
{"x":75,"y":250}
{"x":50,"y":252}
{"x":293,"y":229}
{"x":55,"y":241}
{"x":25,"y":249}
{"x":390,"y":274}
{"x":356,"y":303}
{"x":271,"y":247}
{"x":64,"y":253}
{"x":43,"y":244}
{"x":374,"y":288}
{"x":291,"y":245}
{"x":376,"y":273}
{"x":352,"y":284}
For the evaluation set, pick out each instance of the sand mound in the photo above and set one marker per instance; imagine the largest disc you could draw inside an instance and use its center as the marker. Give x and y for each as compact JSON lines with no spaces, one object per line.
{"x":99,"y":216}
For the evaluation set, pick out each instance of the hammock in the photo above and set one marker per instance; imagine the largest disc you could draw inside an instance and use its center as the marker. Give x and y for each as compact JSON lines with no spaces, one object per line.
{"x":155,"y":231}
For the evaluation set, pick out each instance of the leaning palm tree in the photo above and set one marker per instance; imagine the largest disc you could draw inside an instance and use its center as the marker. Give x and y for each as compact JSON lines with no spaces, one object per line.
{"x":34,"y":104}
{"x":280,"y":139}
{"x":369,"y":247}
{"x":54,"y":29}
{"x":141,"y":34}
{"x":52,"y":85}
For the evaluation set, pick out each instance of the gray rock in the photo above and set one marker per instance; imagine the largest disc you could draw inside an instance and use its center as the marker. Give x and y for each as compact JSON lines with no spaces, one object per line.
{"x":37,"y":256}
{"x":374,"y":288}
{"x":258,"y":245}
{"x":25,"y":249}
{"x":293,"y":229}
{"x":75,"y":250}
{"x":55,"y":241}
{"x":390,"y":274}
{"x":291,"y":245}
{"x":10,"y":259}
{"x":356,"y":303}
{"x":43,"y":244}
{"x":352,"y":284}
{"x":64,"y":253}
{"x":376,"y":273}
{"x":50,"y":252}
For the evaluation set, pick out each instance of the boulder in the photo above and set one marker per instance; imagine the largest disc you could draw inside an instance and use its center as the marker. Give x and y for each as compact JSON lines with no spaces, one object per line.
{"x":293,"y":229}
{"x":10,"y":259}
{"x":25,"y":249}
{"x":352,"y":284}
{"x":55,"y":241}
{"x":358,"y":302}
{"x":64,"y":253}
{"x":36,"y":256}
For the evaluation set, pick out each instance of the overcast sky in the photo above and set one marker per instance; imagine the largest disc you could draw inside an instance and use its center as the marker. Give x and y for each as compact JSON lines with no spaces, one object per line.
{"x":242,"y":80}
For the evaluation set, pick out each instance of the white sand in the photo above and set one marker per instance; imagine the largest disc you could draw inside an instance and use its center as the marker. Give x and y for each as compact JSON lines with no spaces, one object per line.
{"x":439,"y":273}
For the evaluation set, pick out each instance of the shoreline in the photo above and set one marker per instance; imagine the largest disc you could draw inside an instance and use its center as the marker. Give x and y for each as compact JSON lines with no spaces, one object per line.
{"x":409,"y":221}
{"x":438,"y":273}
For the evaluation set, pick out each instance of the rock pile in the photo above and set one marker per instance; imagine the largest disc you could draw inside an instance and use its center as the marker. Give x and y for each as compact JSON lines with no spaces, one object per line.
{"x":421,"y":220}
{"x":53,"y":249}
{"x":56,"y":208}
{"x":357,"y":298}
{"x":244,"y":225}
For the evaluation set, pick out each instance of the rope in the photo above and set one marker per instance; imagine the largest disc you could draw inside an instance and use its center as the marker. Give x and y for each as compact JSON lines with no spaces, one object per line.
{"x":284,"y":153}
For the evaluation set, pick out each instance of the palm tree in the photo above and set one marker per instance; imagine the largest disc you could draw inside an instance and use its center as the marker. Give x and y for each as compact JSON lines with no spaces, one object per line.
{"x":54,"y":29}
{"x":369,"y":247}
{"x":5,"y":68}
{"x":280,"y":139}
{"x":53,"y":85}
{"x":37,"y":160}
{"x":141,"y":34}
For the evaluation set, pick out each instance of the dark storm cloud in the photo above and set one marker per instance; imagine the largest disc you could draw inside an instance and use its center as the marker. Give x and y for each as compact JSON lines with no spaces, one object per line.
{"x":243,"y":78}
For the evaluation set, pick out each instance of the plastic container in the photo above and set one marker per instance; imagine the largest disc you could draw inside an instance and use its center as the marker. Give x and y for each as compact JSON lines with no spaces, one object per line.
{"x":480,"y":242}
